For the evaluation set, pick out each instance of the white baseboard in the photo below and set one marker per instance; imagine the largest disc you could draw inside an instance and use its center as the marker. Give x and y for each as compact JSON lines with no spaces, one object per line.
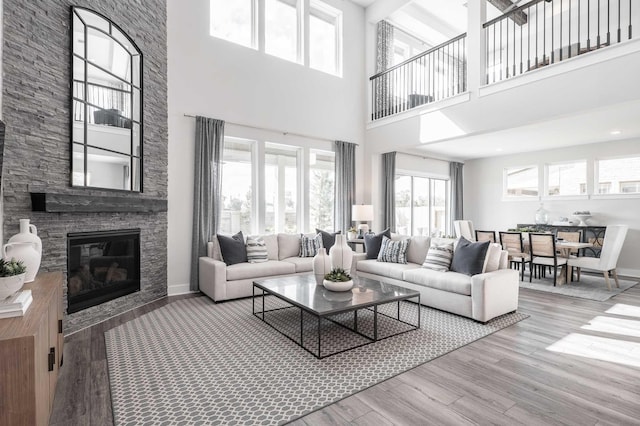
{"x":633,"y":273}
{"x":177,"y":289}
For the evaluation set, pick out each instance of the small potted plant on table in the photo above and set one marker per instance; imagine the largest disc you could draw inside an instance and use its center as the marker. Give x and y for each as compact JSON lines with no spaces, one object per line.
{"x":12,"y":273}
{"x":338,"y":280}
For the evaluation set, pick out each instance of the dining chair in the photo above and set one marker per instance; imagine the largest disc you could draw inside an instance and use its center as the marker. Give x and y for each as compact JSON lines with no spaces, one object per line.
{"x":611,"y":247}
{"x":572,"y":237}
{"x":543,"y":253}
{"x":513,"y":244}
{"x":486,"y":236}
{"x":464,"y":228}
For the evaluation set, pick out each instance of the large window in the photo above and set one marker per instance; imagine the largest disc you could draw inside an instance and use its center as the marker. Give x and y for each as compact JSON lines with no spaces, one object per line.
{"x":567,"y":178}
{"x":618,"y":175}
{"x":321,"y":190}
{"x":521,"y":181}
{"x":281,"y":188}
{"x":325,"y":37}
{"x":237,"y":178}
{"x":281,"y":29}
{"x":421,"y":205}
{"x":234,"y":21}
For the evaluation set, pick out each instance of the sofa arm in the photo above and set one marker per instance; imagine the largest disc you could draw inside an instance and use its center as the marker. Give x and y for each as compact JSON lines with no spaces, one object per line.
{"x":494,"y":294}
{"x":356,"y":258}
{"x":213,"y":278}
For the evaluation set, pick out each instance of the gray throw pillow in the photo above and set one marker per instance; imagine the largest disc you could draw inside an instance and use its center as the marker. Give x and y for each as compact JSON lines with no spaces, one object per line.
{"x":372,"y":243}
{"x":393,"y":251}
{"x":233,"y":249}
{"x":468,"y":258}
{"x":328,"y":239}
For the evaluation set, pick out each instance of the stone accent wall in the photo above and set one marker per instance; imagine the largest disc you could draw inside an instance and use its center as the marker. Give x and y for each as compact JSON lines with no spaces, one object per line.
{"x":36,"y":107}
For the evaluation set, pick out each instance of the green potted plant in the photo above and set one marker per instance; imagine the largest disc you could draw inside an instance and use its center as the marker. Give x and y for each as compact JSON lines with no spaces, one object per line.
{"x":338,"y":280}
{"x":12,"y":273}
{"x":352,"y":234}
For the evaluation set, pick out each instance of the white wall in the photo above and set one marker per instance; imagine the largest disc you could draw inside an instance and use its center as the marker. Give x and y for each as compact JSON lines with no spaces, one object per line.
{"x":484,"y":204}
{"x":218,"y":79}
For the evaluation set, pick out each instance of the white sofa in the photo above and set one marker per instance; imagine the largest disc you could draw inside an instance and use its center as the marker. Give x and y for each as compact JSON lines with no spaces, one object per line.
{"x":480,"y":297}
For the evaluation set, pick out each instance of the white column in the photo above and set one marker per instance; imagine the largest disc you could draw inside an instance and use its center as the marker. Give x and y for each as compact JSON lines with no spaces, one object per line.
{"x":476,"y":16}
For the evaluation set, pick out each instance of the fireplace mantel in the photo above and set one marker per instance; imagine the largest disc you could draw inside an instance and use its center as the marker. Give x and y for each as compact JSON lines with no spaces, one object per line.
{"x":85,"y":203}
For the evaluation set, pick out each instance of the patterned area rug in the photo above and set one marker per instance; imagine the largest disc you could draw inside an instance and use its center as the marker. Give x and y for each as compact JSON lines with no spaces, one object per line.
{"x":199,"y":363}
{"x":589,"y":287}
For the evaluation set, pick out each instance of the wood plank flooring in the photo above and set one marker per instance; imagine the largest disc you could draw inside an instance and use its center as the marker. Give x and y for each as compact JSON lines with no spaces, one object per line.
{"x":509,"y":378}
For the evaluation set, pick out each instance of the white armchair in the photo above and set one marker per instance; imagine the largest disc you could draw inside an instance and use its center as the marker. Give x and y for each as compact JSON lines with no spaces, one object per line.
{"x":464,"y":228}
{"x":611,"y":248}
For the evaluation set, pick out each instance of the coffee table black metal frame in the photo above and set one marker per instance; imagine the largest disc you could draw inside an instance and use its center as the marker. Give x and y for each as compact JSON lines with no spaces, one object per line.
{"x":372,"y":306}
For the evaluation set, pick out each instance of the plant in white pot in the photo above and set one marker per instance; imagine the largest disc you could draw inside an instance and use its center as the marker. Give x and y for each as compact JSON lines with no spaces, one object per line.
{"x":338,"y":280}
{"x":12,"y":273}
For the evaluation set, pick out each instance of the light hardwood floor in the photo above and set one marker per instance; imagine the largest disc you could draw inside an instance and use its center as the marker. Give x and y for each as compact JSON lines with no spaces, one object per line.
{"x":511,"y":377}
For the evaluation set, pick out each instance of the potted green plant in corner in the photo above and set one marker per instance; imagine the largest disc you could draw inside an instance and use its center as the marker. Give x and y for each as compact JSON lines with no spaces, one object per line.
{"x":12,"y":273}
{"x":338,"y":280}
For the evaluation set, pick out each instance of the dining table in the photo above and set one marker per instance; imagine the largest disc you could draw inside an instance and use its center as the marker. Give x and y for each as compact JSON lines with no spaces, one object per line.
{"x":565,"y":248}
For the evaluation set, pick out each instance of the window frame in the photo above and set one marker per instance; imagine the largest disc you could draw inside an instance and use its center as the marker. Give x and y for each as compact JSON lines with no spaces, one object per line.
{"x":254,"y":26}
{"x":431,"y":178}
{"x":505,"y":184}
{"x":327,"y":13}
{"x":596,"y":179}
{"x":545,"y":191}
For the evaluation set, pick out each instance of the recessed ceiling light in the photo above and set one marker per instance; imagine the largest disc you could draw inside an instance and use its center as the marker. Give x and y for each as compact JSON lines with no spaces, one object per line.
{"x":615,"y":132}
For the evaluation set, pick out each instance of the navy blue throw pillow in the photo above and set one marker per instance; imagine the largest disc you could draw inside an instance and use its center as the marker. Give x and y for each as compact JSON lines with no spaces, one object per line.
{"x":328,"y":239}
{"x":468,"y":258}
{"x":233,"y":249}
{"x":372,"y":243}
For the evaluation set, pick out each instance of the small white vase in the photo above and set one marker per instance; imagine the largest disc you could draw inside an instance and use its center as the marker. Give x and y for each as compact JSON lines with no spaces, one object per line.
{"x":341,"y":254}
{"x":321,"y":265}
{"x":25,"y":252}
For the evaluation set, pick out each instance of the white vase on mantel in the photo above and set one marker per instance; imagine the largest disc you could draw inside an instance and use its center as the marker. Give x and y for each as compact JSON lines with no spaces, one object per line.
{"x":341,"y":254}
{"x":321,"y":265}
{"x":28,"y":234}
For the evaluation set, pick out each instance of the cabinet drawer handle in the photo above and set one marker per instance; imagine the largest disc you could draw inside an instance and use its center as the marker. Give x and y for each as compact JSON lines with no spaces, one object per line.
{"x":52,"y":358}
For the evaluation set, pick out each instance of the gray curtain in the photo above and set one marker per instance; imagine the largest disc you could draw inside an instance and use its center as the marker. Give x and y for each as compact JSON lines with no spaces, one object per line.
{"x":457,"y":212}
{"x":384,"y":59}
{"x":389,"y":191}
{"x":345,"y":184}
{"x":206,"y":189}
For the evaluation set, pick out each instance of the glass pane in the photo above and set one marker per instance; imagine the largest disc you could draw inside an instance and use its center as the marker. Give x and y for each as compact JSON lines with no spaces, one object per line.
{"x":78,"y":78}
{"x":136,"y":140}
{"x":439,"y":207}
{"x":109,"y":55}
{"x":567,"y":179}
{"x":78,"y":116}
{"x":232,"y":20}
{"x":237,"y":205}
{"x":108,"y":170}
{"x":321,"y":190}
{"x":93,"y":20}
{"x":420,"y":206}
{"x":78,"y":165}
{"x":281,"y":193}
{"x":281,"y":30}
{"x":123,"y":40}
{"x":135,"y":174}
{"x":137,"y":106}
{"x":109,"y":137}
{"x":136,"y":70}
{"x":619,"y":176}
{"x":403,"y":205}
{"x":99,"y":77}
{"x":78,"y":36}
{"x":117,"y":102}
{"x":322,"y":45}
{"x":522,"y":181}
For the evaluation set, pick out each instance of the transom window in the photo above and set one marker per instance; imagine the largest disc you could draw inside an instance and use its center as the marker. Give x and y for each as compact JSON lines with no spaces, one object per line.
{"x":567,"y":178}
{"x":325,"y":36}
{"x":622,"y":175}
{"x":234,"y":21}
{"x":521,"y":181}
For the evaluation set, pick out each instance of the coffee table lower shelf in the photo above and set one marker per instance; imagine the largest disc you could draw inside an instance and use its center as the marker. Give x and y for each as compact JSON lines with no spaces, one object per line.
{"x":363,"y":324}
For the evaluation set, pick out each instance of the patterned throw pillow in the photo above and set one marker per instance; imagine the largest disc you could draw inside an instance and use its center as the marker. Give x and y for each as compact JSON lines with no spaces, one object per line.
{"x":256,"y":250}
{"x":393,"y":251}
{"x":309,"y":245}
{"x":439,"y":257}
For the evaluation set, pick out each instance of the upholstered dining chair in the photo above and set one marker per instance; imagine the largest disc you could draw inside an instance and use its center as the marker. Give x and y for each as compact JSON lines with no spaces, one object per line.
{"x":572,"y":237}
{"x":611,"y":247}
{"x":512,"y":243}
{"x":486,"y":236}
{"x":464,"y":228}
{"x":542,"y":248}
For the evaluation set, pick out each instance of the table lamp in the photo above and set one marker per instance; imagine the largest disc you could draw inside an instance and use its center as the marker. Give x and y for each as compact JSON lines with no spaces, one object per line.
{"x":362,"y":213}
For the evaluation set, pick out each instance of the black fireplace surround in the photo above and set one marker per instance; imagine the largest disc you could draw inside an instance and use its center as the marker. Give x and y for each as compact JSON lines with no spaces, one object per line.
{"x":101,"y":266}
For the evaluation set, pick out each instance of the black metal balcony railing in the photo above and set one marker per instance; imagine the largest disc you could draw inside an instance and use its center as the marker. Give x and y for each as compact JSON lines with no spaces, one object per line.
{"x":552,"y":31}
{"x":435,"y":74}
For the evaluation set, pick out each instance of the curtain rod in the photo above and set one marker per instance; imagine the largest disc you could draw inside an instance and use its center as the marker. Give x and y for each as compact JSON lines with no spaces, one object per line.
{"x":274,"y":130}
{"x":424,"y":157}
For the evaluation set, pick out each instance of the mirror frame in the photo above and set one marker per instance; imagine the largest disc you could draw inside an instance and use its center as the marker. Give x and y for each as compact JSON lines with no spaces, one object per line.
{"x":133,"y":51}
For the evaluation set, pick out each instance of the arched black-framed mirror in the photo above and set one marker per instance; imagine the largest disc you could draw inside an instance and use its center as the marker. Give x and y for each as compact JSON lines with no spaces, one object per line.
{"x":106,"y":90}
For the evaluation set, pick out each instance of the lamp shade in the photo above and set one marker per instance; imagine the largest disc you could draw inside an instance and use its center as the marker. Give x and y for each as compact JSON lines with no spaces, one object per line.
{"x":362,"y":212}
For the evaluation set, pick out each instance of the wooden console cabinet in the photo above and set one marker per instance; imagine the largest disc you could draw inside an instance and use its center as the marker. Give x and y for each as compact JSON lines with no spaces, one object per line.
{"x":31,"y":354}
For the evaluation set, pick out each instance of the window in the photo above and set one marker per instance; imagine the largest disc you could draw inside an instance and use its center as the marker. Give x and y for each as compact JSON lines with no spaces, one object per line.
{"x":325,"y":37}
{"x":421,"y":205}
{"x":521,"y":181}
{"x":618,"y":176}
{"x":237,"y":188}
{"x":567,"y":178}
{"x":281,"y":29}
{"x":281,"y":188}
{"x":234,"y":21}
{"x":321,"y":190}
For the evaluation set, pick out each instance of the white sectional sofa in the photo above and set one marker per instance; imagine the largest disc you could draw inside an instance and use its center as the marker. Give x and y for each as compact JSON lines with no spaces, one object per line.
{"x":480,"y":297}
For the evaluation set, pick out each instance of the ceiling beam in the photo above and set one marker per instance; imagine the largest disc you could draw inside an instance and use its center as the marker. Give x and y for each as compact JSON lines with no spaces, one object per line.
{"x":519,"y":17}
{"x":380,"y":9}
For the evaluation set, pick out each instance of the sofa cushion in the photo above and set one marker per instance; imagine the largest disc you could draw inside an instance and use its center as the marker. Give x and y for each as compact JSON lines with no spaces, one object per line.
{"x":302,"y":264}
{"x":439,"y":257}
{"x":256,"y":250}
{"x":452,"y":282}
{"x":492,"y":259}
{"x":468,"y":257}
{"x":372,"y":243}
{"x":232,"y":248}
{"x":271,"y":241}
{"x":393,"y":251}
{"x":417,"y":251}
{"x":309,"y":245}
{"x":243,"y":271}
{"x":390,"y":270}
{"x":328,"y":239}
{"x":288,"y":245}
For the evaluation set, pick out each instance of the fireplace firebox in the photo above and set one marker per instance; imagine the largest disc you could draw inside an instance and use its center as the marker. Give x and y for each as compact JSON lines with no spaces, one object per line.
{"x":101,"y":266}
